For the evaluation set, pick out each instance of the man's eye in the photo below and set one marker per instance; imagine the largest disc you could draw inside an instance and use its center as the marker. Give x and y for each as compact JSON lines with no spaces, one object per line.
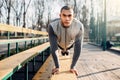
{"x":69,"y":15}
{"x":64,"y":15}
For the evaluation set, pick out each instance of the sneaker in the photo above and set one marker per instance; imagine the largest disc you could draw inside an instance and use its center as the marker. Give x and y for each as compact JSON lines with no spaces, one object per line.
{"x":65,"y":53}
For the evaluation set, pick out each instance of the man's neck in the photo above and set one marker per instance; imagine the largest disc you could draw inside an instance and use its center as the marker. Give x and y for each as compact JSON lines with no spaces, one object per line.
{"x":64,"y":26}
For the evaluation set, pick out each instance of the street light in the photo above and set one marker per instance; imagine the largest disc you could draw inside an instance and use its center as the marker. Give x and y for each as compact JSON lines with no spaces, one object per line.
{"x":105,"y":20}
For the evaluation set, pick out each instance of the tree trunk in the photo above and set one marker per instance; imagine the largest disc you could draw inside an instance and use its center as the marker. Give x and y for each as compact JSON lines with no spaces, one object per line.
{"x":9,"y":9}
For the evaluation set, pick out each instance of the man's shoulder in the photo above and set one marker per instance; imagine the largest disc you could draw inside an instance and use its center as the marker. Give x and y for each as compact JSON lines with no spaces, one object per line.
{"x":76,"y":21}
{"x":55,"y":21}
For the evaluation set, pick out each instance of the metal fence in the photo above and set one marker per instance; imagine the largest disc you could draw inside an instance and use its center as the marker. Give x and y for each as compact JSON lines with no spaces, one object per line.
{"x":105,"y":23}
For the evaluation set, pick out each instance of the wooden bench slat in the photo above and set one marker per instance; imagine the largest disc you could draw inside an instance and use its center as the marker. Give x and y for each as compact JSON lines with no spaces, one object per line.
{"x":19,"y":40}
{"x":5,"y":27}
{"x":8,"y":65}
{"x":45,"y":71}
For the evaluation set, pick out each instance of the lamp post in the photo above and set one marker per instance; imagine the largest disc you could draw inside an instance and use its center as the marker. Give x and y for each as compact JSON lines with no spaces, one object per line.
{"x":92,"y":27}
{"x":105,"y":20}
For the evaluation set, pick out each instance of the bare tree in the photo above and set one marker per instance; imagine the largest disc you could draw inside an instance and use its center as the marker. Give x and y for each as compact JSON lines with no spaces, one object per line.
{"x":25,"y":11}
{"x":48,"y":15}
{"x":8,"y":5}
{"x":67,"y":2}
{"x":39,"y":5}
{"x":18,"y":11}
{"x":1,"y":4}
{"x":75,"y":8}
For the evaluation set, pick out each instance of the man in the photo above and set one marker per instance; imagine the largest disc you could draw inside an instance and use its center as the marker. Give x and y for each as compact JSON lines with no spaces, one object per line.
{"x":65,"y":33}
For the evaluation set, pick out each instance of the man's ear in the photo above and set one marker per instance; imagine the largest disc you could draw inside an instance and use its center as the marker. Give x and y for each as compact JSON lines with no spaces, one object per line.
{"x":60,"y":15}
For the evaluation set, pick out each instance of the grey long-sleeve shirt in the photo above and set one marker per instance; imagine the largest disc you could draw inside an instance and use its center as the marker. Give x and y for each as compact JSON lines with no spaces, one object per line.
{"x":57,"y":37}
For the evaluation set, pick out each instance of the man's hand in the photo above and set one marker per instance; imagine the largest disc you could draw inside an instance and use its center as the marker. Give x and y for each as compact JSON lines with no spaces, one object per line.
{"x":55,"y":71}
{"x":74,"y":71}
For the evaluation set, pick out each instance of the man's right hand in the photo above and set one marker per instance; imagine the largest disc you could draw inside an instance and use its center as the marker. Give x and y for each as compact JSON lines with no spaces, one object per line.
{"x":55,"y":71}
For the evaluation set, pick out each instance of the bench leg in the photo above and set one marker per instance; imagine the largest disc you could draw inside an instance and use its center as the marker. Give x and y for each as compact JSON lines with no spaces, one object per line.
{"x":34,"y":64}
{"x":26,"y":71}
{"x":43,"y":57}
{"x":10,"y":78}
{"x":17,"y":50}
{"x":8,"y":53}
{"x":25,"y":45}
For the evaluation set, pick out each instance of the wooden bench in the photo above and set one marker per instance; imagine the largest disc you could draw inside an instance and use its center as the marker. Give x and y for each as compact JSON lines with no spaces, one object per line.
{"x":10,"y":28}
{"x":26,"y":42}
{"x":45,"y":71}
{"x":10,"y":65}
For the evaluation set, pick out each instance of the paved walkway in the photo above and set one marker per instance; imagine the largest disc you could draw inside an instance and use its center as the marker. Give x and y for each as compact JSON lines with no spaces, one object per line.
{"x":95,"y":64}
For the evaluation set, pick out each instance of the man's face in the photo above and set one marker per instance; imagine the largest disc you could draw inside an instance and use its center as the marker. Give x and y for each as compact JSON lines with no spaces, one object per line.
{"x":66,"y":17}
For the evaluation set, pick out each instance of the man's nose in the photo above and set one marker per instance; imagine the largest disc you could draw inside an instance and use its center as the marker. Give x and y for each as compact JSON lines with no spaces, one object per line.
{"x":67,"y":18}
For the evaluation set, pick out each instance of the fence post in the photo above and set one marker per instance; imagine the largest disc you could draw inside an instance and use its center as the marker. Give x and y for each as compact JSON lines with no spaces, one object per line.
{"x":8,"y":53}
{"x":17,"y":47}
{"x":8,"y":34}
{"x":104,"y":36}
{"x":25,"y":45}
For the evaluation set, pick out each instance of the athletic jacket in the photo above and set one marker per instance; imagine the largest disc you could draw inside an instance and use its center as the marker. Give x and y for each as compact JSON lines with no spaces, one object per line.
{"x":65,"y":38}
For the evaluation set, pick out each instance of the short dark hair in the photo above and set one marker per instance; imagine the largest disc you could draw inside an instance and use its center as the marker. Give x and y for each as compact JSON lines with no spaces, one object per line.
{"x":67,"y":7}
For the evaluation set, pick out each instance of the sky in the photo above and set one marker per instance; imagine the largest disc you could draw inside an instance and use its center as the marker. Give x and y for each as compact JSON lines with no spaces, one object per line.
{"x":113,"y":9}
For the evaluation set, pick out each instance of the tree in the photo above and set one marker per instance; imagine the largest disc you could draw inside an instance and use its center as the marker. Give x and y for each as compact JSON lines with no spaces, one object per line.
{"x":8,"y":5}
{"x":1,"y":4}
{"x":25,"y":11}
{"x":75,"y":8}
{"x":84,"y":18}
{"x":39,"y":6}
{"x":18,"y":7}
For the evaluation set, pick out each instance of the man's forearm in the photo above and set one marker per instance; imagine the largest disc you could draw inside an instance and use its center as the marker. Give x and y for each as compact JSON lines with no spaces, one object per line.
{"x":53,"y":45}
{"x":77,"y":51}
{"x":77,"y":47}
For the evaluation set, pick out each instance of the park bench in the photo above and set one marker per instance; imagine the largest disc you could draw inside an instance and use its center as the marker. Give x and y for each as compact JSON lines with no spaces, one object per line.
{"x":36,"y":35}
{"x":10,"y":65}
{"x":25,"y":42}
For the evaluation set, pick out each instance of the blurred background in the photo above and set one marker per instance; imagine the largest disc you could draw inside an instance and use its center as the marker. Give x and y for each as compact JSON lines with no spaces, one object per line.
{"x":101,"y":18}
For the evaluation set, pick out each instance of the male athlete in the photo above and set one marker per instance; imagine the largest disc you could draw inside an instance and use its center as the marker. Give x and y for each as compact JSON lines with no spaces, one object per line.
{"x":65,"y":33}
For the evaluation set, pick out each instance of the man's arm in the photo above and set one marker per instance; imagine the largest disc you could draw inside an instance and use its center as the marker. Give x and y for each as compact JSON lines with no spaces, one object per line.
{"x":77,"y":47}
{"x":53,"y":45}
